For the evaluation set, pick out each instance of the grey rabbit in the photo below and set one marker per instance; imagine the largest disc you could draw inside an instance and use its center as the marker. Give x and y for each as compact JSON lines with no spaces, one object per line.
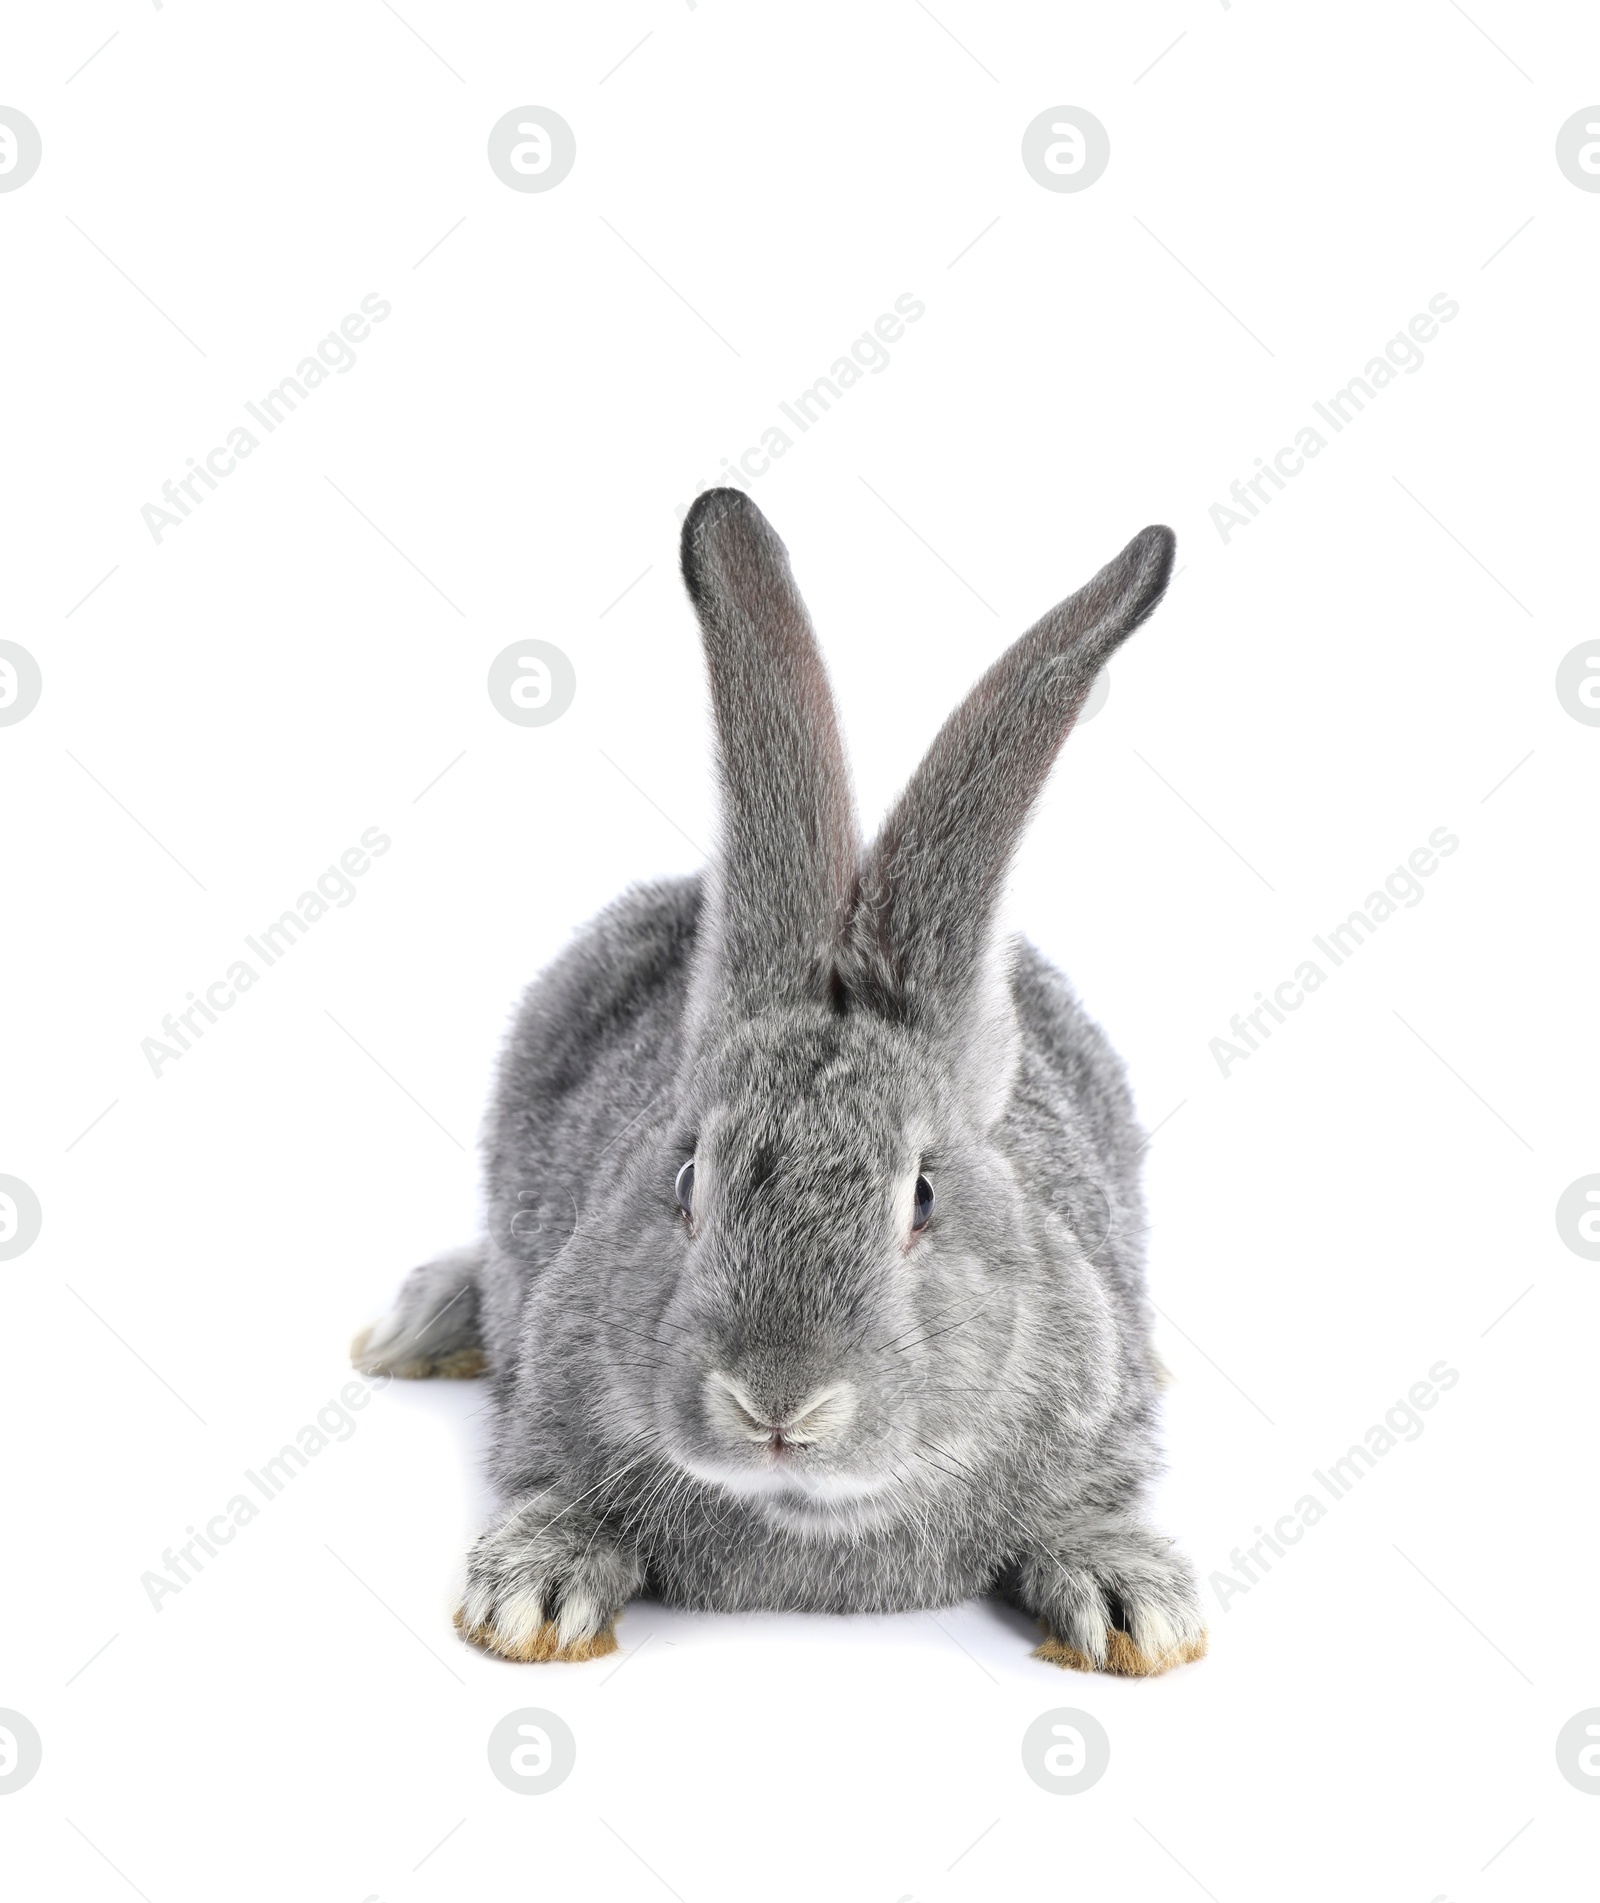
{"x":814,"y":1269}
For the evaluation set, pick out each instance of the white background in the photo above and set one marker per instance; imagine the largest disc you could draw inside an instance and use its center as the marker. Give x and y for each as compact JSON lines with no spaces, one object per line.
{"x":1366,"y":662}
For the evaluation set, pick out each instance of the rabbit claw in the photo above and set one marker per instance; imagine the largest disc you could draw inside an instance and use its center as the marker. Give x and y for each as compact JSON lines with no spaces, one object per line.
{"x":536,"y":1643}
{"x":1122,"y":1657}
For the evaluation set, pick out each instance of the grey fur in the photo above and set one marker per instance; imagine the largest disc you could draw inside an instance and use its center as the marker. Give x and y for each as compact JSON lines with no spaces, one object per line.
{"x":787,"y":1401}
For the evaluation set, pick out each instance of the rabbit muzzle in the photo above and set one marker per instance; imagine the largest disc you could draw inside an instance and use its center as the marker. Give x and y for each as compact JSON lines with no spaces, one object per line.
{"x":778,"y":1425}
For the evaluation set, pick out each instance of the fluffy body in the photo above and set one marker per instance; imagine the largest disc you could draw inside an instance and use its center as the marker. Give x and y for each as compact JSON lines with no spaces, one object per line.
{"x":794,"y":1398}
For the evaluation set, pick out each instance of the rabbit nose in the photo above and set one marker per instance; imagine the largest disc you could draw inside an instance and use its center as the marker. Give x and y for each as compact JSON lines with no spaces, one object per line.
{"x":821,"y":1414}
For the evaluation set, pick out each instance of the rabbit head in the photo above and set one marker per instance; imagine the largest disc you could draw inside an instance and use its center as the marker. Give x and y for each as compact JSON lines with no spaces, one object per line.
{"x":866,"y":1287}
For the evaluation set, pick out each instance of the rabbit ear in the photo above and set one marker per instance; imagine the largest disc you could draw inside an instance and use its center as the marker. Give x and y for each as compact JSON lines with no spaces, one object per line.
{"x":931,"y":882}
{"x":789,"y":848}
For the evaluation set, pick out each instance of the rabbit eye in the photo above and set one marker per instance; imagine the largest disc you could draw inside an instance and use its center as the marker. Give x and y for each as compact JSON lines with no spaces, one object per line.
{"x":683,"y":1188}
{"x":921,"y":1205}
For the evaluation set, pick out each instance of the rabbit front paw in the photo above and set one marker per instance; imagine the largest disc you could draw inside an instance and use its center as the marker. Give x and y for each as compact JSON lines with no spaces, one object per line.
{"x":546,"y":1584}
{"x":1127,"y":1605}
